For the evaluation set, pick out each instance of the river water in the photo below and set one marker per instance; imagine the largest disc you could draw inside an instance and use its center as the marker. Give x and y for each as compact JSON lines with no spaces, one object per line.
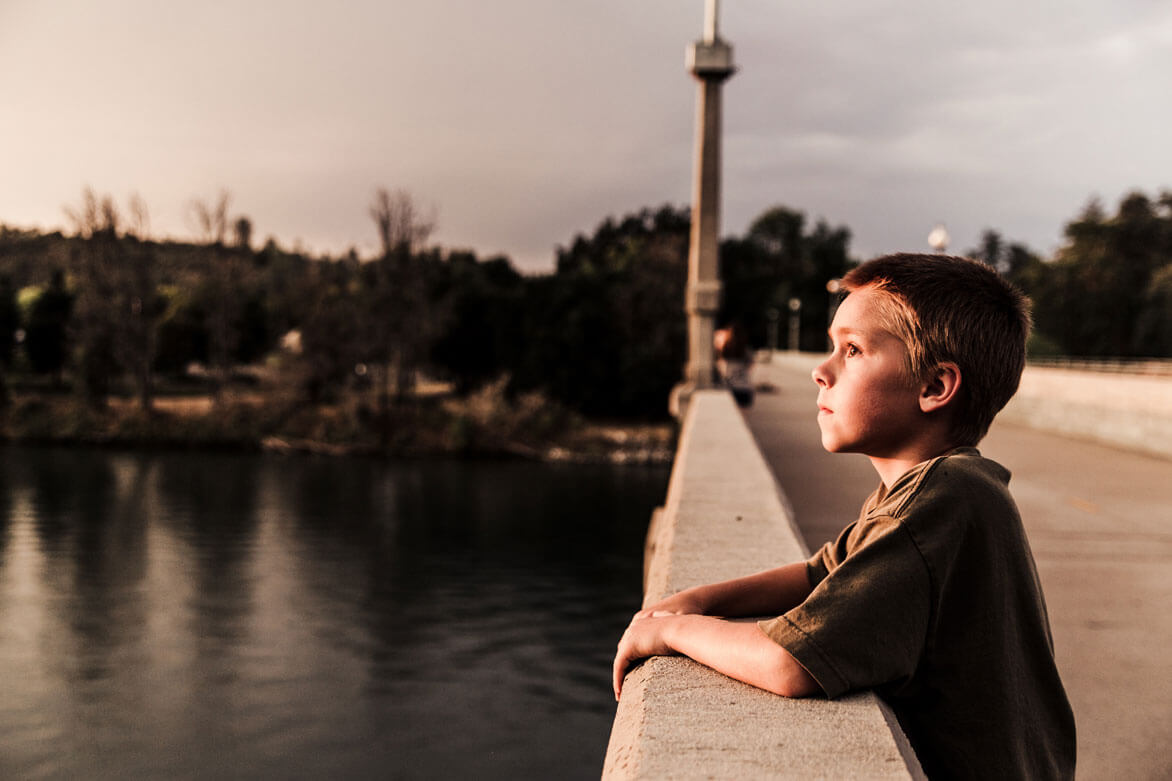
{"x":195,"y":615}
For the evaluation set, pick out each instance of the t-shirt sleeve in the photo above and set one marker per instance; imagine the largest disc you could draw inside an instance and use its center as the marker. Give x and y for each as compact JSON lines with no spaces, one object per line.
{"x":865,"y":623}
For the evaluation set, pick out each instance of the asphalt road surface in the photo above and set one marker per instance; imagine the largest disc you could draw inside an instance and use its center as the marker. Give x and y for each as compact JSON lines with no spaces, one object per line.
{"x":1099,"y":520}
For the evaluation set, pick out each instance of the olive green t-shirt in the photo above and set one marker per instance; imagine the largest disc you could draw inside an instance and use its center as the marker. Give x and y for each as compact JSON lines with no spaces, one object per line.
{"x":931,"y":598}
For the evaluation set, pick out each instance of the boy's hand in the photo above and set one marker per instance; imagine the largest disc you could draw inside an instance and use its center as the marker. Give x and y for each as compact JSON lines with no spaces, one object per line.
{"x":643,"y":638}
{"x":681,"y":604}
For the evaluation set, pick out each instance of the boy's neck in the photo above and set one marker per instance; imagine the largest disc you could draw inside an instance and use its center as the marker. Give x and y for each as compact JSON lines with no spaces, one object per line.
{"x":891,"y":467}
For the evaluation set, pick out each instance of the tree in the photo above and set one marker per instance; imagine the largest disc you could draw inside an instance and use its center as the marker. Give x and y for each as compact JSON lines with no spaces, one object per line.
{"x":331,"y":347}
{"x":47,"y":328}
{"x":117,"y":305}
{"x":96,"y":222}
{"x":9,"y":322}
{"x":136,"y":333}
{"x":1095,"y":297}
{"x":1153,"y":333}
{"x":402,"y":225}
{"x":777,"y":260}
{"x":242,"y":229}
{"x":400,"y":320}
{"x":223,"y":292}
{"x":483,"y":334}
{"x":606,"y":333}
{"x":992,"y":250}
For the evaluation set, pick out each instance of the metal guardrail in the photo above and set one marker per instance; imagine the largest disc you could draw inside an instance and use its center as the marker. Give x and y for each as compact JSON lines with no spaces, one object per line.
{"x":1160,"y":367}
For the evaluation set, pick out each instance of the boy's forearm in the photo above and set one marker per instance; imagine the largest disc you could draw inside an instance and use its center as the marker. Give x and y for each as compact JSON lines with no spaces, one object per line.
{"x":741,"y":651}
{"x":768,"y":593}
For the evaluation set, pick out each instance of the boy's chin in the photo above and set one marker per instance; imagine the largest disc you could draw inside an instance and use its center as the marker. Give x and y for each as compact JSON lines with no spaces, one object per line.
{"x":833,"y":444}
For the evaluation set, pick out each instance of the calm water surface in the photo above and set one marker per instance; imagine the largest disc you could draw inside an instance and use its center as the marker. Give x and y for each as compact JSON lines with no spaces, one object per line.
{"x":196,"y":615}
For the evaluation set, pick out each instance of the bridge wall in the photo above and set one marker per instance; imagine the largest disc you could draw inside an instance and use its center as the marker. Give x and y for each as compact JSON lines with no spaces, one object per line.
{"x":724,"y":517}
{"x":1132,"y":411}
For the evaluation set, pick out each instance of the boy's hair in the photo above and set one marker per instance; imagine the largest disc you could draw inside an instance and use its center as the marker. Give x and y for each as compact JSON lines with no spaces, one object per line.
{"x":946,"y":308}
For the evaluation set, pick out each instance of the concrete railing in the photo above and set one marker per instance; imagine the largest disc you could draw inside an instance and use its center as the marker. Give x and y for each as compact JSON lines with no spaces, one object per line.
{"x":1132,"y":411}
{"x":724,"y":517}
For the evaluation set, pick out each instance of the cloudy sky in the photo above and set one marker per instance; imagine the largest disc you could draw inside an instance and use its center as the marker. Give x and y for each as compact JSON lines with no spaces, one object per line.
{"x":524,"y":122}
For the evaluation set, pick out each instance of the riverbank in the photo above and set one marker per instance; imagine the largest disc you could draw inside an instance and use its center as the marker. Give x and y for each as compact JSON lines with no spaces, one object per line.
{"x":484,"y":424}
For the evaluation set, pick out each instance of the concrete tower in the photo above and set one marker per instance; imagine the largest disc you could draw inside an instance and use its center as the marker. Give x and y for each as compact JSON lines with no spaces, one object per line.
{"x":710,"y":61}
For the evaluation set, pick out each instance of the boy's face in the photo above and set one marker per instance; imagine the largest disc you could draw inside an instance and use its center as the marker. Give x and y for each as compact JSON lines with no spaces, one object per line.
{"x":866,"y":404}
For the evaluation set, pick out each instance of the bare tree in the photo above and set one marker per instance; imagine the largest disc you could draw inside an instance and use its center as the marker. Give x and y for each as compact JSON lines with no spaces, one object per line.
{"x":140,"y":217}
{"x":95,"y":314}
{"x":96,"y":215}
{"x":398,"y":319}
{"x":136,"y":334}
{"x":210,"y":218}
{"x":226,"y":301}
{"x":401,"y":224}
{"x":116,"y":315}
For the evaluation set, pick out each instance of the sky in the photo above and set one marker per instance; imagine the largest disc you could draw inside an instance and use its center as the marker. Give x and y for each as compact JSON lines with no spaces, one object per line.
{"x":522,"y":123}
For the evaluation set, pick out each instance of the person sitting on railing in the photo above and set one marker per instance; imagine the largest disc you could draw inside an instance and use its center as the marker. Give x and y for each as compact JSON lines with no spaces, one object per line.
{"x":931,"y":597}
{"x":734,"y":362}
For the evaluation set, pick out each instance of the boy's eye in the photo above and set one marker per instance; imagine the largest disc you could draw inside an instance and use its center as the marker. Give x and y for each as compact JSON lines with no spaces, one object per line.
{"x":852,"y":351}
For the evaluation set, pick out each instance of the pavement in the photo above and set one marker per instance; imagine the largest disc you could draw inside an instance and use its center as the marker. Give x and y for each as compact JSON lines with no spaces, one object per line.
{"x":1099,"y":520}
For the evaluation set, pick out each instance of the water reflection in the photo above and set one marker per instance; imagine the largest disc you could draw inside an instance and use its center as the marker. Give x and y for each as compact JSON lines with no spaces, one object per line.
{"x":187,"y":615}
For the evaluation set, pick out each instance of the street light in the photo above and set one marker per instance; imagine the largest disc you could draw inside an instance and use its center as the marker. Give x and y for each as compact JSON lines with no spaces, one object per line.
{"x":773,"y":315}
{"x":833,"y":288}
{"x":938,"y":238}
{"x":795,"y":322}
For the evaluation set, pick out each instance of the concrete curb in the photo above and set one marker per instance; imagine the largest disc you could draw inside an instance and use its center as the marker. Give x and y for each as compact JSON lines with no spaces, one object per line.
{"x":724,"y":517}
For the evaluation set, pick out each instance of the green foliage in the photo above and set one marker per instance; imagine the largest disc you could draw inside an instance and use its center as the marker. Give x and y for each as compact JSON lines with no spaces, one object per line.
{"x":777,"y":260}
{"x":1105,"y":294}
{"x":9,"y":320}
{"x":484,"y":332}
{"x":46,"y":329}
{"x":182,"y":337}
{"x":605,"y":334}
{"x":331,"y":347}
{"x":1153,"y":328}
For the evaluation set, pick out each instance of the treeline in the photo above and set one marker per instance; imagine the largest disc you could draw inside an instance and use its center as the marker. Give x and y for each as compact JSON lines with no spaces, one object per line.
{"x":604,"y":334}
{"x":106,"y":308}
{"x":1106,"y":293}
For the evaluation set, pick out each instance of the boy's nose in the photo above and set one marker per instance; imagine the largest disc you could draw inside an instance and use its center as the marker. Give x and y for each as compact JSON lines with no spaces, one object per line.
{"x":820,"y":375}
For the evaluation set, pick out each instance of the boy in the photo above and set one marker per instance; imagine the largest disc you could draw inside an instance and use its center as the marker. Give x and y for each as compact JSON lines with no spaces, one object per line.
{"x":931,"y":597}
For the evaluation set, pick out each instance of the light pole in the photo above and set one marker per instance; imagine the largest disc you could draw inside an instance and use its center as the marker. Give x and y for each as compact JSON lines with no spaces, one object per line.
{"x":709,"y":60}
{"x":795,"y":324}
{"x":773,"y":315}
{"x":938,"y":239}
{"x":833,"y":288}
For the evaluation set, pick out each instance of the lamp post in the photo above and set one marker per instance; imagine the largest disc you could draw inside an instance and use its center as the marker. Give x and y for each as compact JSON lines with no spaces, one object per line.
{"x":709,"y":60}
{"x":795,"y":324}
{"x":773,"y":315}
{"x":938,"y":239}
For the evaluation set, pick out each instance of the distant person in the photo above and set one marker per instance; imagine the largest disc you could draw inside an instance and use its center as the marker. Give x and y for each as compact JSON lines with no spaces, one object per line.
{"x":931,"y":597}
{"x":734,"y":362}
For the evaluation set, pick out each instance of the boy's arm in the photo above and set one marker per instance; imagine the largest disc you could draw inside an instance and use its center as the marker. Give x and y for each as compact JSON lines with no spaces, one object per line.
{"x":739,"y":650}
{"x":768,"y":593}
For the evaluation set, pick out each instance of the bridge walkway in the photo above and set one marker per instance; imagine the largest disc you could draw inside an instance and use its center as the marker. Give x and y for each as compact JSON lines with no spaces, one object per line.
{"x":1100,"y":524}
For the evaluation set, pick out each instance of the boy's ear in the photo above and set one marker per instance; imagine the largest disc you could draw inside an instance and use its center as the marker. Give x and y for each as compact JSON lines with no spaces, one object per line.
{"x":941,"y":388}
